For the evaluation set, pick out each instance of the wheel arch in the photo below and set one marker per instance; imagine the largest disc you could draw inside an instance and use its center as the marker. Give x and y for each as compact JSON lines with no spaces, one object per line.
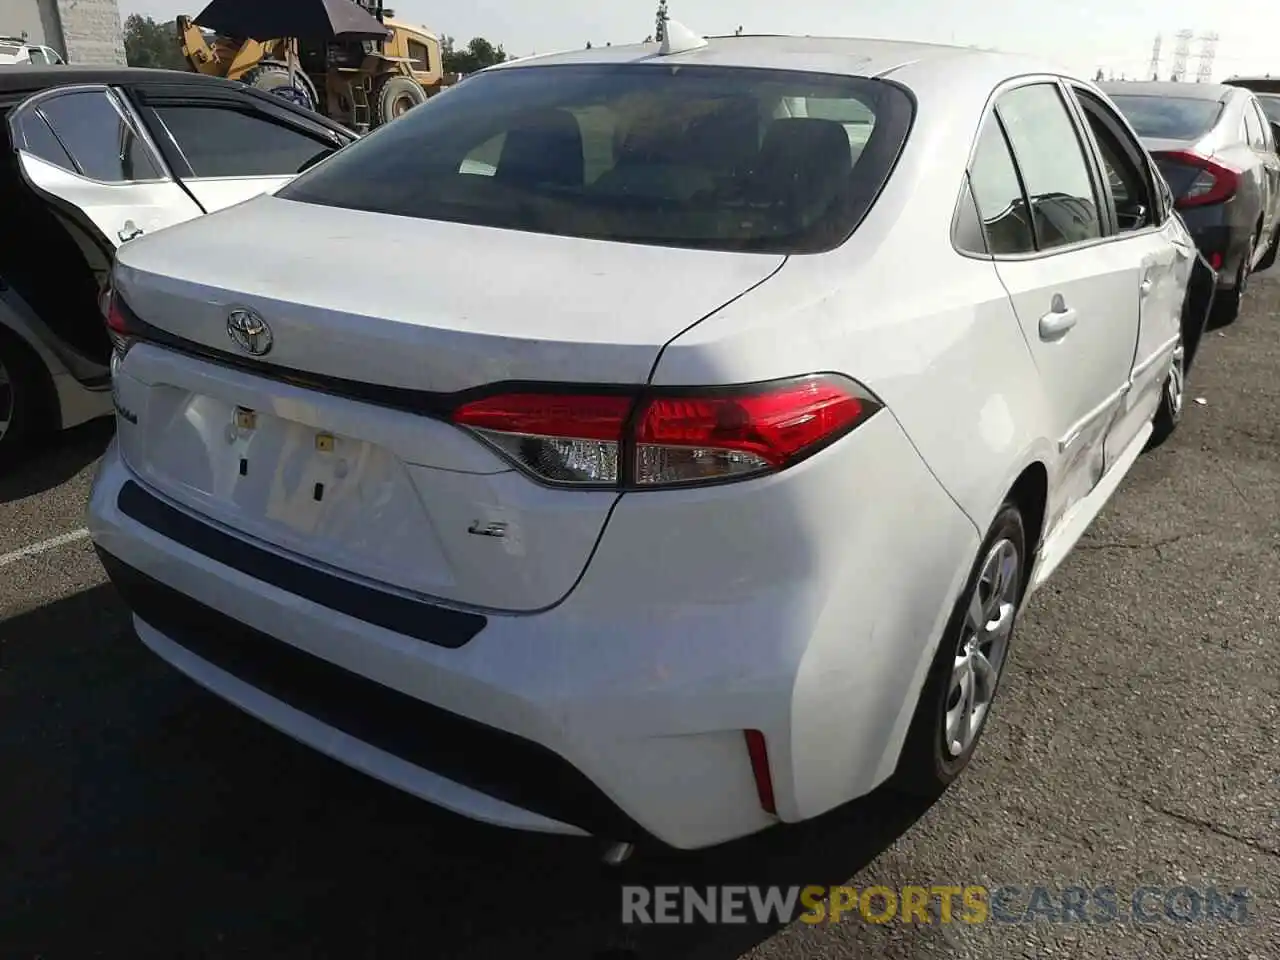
{"x":1030,"y":493}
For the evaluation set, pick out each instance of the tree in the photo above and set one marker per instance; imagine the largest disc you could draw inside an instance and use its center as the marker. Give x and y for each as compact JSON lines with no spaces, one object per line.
{"x":151,"y":44}
{"x":480,"y":53}
{"x":1099,"y":76}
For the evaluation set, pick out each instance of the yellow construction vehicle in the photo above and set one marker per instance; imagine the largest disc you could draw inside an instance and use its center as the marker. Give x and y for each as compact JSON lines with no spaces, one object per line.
{"x":360,"y":83}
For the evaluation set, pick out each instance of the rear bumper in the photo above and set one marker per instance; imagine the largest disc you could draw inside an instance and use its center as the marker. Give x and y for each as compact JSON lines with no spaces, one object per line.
{"x":805,"y":606}
{"x":1222,"y":241}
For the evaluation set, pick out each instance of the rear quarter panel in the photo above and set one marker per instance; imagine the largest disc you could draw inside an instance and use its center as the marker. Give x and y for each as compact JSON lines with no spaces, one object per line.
{"x":930,"y":331}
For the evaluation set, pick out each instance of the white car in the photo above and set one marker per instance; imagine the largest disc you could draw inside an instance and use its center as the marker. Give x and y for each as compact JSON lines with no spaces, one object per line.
{"x":16,"y":50}
{"x":101,"y":155}
{"x":682,"y":461}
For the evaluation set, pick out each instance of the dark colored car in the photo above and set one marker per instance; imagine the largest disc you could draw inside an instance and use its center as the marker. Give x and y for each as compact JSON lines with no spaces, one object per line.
{"x":90,"y":158}
{"x":1218,"y":151}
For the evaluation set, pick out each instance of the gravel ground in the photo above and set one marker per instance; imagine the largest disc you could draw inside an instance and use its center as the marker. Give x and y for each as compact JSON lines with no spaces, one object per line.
{"x":1134,"y":744}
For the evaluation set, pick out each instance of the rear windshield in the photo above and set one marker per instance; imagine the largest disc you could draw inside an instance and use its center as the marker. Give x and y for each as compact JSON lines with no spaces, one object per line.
{"x":1169,"y":118}
{"x":1270,"y":106}
{"x":708,"y":157}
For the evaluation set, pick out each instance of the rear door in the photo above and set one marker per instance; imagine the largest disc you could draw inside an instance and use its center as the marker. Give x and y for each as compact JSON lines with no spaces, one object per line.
{"x":1076,"y":292}
{"x":82,"y":148}
{"x":226,"y":147}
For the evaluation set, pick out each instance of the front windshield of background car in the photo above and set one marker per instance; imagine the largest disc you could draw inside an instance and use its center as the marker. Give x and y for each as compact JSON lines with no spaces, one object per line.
{"x":1270,"y":106}
{"x":1168,"y":118}
{"x":707,"y":157}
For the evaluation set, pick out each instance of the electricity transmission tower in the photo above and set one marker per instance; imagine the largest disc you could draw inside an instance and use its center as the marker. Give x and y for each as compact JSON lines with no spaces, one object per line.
{"x":1155,"y":58}
{"x":1208,"y":48}
{"x":1180,"y":54}
{"x":661,"y":30}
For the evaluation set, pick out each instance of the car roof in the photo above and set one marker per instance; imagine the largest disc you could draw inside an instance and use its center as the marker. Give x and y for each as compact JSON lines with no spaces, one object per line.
{"x":1168,"y":88}
{"x":19,"y":82}
{"x":853,"y":56}
{"x":31,"y":77}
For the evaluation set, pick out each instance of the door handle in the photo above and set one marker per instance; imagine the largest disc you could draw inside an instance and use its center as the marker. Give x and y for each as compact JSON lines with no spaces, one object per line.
{"x":129,"y":231}
{"x":1055,"y":324}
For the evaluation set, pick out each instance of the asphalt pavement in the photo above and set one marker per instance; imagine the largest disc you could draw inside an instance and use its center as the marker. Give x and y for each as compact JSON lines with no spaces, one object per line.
{"x":1133,"y":747}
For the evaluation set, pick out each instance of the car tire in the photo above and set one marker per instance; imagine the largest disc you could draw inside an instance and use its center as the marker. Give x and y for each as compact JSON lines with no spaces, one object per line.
{"x":1172,"y":398}
{"x":274,"y":78}
{"x":25,"y":397}
{"x":396,"y":96}
{"x":1226,"y":305}
{"x":1269,"y":258}
{"x":937,"y":749}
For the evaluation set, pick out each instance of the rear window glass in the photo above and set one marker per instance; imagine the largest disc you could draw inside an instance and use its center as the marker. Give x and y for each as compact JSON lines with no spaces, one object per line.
{"x":709,"y":157}
{"x":1270,"y":106}
{"x":1169,"y":118}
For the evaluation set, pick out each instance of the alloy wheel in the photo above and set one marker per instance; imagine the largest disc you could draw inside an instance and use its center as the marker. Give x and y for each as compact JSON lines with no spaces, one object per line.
{"x":982,"y":648}
{"x":6,"y":400}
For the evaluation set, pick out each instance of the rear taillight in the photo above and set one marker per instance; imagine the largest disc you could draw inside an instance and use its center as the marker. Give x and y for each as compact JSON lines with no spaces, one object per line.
{"x":668,"y":436}
{"x":1212,"y":183}
{"x":117,"y":318}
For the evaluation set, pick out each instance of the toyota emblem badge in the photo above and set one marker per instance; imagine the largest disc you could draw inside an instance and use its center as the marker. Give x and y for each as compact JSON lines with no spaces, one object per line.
{"x":249,"y":332}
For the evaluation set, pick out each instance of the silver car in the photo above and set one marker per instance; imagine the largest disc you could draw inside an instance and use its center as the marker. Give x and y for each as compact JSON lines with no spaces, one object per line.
{"x":1218,"y":151}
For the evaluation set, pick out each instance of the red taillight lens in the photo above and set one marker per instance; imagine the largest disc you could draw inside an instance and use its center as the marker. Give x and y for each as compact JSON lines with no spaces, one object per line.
{"x":679,"y":436}
{"x":1212,"y":183}
{"x":684,"y":439}
{"x":118,"y":327}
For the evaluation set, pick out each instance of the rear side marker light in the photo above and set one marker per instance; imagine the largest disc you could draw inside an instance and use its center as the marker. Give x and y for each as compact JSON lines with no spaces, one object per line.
{"x":759,"y":754}
{"x":668,"y":436}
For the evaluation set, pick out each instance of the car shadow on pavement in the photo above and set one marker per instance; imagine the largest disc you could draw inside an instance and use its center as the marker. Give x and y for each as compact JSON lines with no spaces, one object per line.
{"x":144,"y":817}
{"x":56,"y":459}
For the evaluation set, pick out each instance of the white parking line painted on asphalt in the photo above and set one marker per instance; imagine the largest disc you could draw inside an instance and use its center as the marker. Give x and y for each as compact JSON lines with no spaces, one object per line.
{"x":43,"y":546}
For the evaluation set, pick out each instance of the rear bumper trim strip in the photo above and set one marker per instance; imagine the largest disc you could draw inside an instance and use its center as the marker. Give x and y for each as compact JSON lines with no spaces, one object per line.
{"x":442,"y":626}
{"x":489,"y":760}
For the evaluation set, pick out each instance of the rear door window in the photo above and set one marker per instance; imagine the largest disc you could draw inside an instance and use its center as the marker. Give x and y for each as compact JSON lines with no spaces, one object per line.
{"x":38,"y":140}
{"x":231,"y":141}
{"x":707,"y":157}
{"x":1051,"y":158}
{"x":1268,"y":143}
{"x":1002,"y":205}
{"x":103,"y":144}
{"x":1253,"y":128}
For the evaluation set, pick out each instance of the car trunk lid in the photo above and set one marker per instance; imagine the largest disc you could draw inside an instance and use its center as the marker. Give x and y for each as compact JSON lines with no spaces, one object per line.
{"x":334,"y":444}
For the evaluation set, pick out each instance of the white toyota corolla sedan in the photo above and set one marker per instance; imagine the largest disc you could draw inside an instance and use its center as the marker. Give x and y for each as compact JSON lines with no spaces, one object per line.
{"x":646,"y":443}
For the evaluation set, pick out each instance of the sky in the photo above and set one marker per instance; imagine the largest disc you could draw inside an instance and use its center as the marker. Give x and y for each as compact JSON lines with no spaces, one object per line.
{"x":1083,"y":35}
